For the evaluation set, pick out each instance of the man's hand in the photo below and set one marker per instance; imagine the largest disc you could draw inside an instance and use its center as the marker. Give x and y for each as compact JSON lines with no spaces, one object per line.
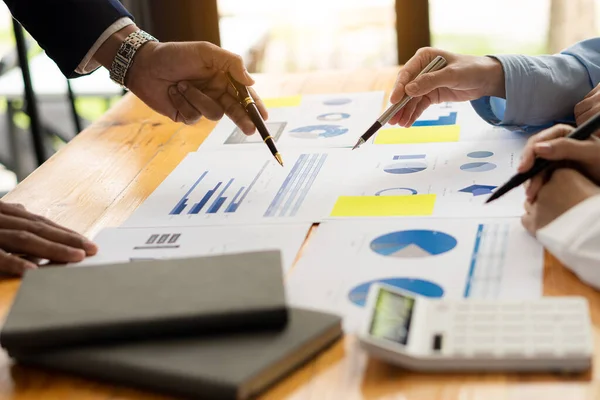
{"x":25,"y":237}
{"x":564,"y":190}
{"x":464,"y":78}
{"x":185,"y":80}
{"x":588,"y":107}
{"x":552,"y":144}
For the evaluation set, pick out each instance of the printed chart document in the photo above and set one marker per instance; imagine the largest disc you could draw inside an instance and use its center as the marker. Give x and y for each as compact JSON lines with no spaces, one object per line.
{"x":433,"y":180}
{"x":244,"y":187}
{"x":446,"y":123}
{"x":455,"y":258}
{"x":134,"y":244}
{"x":324,"y":120}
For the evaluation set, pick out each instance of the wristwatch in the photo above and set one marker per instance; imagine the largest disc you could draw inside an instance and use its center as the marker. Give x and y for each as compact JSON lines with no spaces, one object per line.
{"x":126,"y":53}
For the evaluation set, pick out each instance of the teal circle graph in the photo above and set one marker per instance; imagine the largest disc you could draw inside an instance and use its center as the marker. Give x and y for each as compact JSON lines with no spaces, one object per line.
{"x":413,"y":243}
{"x":406,"y":167}
{"x":480,"y":154}
{"x":358,"y":294}
{"x":478,"y":167}
{"x":336,"y":116}
{"x":401,"y":191}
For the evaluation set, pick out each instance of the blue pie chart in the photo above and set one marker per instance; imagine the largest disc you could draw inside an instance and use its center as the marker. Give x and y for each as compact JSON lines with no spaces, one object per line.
{"x":478,"y":167}
{"x":318,"y":131}
{"x":407,"y":167}
{"x":401,"y":191}
{"x":480,"y":154}
{"x":358,"y":295}
{"x":413,"y":243}
{"x":337,"y":116}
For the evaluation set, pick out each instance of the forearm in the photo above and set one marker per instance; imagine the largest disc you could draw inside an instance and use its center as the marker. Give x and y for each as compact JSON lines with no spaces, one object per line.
{"x":67,"y":29}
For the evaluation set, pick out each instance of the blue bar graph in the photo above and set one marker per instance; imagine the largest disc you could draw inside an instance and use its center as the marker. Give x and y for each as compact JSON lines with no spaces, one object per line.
{"x":178,"y":209}
{"x":410,"y":157}
{"x":220,"y":200}
{"x":296,"y":186}
{"x":198,"y":206}
{"x":442,"y":120}
{"x":235,"y":204}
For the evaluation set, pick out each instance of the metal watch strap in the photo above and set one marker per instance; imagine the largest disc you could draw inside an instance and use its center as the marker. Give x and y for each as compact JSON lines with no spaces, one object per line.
{"x":126,"y":53}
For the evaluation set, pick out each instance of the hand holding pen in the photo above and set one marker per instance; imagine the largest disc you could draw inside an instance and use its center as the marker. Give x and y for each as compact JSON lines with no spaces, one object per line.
{"x":245,"y":98}
{"x":438,"y":63}
{"x":581,"y":133}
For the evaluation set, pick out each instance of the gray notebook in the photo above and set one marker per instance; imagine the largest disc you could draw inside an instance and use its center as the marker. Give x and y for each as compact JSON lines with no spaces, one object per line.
{"x":80,"y":305}
{"x":233,"y":366}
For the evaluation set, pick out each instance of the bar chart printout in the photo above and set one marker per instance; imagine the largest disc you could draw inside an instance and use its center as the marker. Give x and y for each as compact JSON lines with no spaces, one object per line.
{"x":248,"y":187}
{"x":212,"y":201}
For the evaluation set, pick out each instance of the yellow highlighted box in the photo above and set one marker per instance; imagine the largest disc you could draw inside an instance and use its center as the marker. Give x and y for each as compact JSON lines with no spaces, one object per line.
{"x":384,"y":206}
{"x":418,"y":134}
{"x":278,"y":102}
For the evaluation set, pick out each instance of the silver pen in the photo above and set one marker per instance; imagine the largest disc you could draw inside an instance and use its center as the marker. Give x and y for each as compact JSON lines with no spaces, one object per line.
{"x":438,"y":63}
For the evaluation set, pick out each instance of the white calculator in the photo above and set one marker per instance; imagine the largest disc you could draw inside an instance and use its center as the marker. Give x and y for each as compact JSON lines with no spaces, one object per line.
{"x":424,"y":334}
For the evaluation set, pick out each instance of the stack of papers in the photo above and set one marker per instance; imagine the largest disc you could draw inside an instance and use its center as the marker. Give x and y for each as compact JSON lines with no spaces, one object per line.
{"x":407,"y":208}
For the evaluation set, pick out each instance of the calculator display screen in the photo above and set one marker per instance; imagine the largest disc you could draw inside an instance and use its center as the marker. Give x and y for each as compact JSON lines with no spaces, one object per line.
{"x":392,"y":316}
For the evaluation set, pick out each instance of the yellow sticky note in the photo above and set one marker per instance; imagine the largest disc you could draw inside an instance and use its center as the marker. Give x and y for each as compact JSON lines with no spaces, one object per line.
{"x":278,"y":102}
{"x":419,"y":134}
{"x":384,"y":206}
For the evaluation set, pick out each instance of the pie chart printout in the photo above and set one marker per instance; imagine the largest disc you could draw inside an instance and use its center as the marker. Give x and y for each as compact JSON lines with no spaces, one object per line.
{"x":478,"y":167}
{"x":406,"y":167}
{"x":413,"y":244}
{"x":358,"y":295}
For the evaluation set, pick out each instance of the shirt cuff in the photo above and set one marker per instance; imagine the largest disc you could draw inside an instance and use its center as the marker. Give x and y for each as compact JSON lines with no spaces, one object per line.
{"x":574,"y":239}
{"x":88,"y":64}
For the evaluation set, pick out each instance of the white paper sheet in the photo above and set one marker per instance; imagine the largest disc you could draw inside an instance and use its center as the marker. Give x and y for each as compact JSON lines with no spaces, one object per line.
{"x":327,"y":120}
{"x":459,"y":177}
{"x":454,"y":258}
{"x":244,"y":187}
{"x":131,"y":244}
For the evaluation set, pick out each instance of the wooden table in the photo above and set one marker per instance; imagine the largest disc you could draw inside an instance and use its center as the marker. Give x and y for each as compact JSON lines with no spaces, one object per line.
{"x":106,"y":172}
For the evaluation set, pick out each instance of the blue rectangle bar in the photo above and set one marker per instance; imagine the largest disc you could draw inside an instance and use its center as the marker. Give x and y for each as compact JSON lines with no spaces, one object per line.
{"x":178,"y":209}
{"x":286,"y":185}
{"x":473,"y":260}
{"x":217,"y":204}
{"x":442,"y":120}
{"x":303,"y":176}
{"x":233,"y":206}
{"x":410,"y":157}
{"x":309,"y":184}
{"x":198,"y":206}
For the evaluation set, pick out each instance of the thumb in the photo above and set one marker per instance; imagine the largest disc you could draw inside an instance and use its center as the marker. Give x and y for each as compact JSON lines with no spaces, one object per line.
{"x":584,"y":152}
{"x":227,"y":61}
{"x":429,"y":82}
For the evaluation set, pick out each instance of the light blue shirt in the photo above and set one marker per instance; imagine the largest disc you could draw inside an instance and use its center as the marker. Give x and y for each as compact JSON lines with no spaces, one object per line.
{"x":543,"y":90}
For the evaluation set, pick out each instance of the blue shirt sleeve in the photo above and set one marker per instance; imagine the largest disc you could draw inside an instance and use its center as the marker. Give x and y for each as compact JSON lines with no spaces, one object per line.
{"x":543,"y":90}
{"x":66,"y":29}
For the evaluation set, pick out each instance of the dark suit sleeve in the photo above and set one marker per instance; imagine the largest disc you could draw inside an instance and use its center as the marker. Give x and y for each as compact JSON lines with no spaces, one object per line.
{"x":66,"y":29}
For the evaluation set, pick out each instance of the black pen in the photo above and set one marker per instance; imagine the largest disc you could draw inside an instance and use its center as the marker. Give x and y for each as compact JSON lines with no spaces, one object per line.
{"x":581,"y":133}
{"x":246,"y":100}
{"x":438,"y":63}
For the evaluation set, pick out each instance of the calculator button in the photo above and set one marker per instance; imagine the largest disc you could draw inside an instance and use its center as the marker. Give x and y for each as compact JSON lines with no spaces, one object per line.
{"x":516,"y":339}
{"x":478,"y":328}
{"x":542,"y":339}
{"x":516,"y":307}
{"x":437,"y":342}
{"x":541,"y":328}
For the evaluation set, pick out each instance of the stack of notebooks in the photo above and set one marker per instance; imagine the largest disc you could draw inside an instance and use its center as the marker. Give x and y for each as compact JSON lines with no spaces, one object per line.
{"x":213,"y":327}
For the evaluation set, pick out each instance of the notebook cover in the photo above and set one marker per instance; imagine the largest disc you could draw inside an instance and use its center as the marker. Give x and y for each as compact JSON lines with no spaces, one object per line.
{"x":88,"y":305}
{"x":232,"y":366}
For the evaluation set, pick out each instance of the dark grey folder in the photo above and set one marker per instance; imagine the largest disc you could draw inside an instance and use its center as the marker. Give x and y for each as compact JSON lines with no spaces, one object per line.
{"x":233,"y":366}
{"x":79,"y":305}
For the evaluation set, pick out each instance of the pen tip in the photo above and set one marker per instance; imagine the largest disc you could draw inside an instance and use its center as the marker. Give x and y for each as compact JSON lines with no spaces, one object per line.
{"x":357,"y":145}
{"x":279,"y":159}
